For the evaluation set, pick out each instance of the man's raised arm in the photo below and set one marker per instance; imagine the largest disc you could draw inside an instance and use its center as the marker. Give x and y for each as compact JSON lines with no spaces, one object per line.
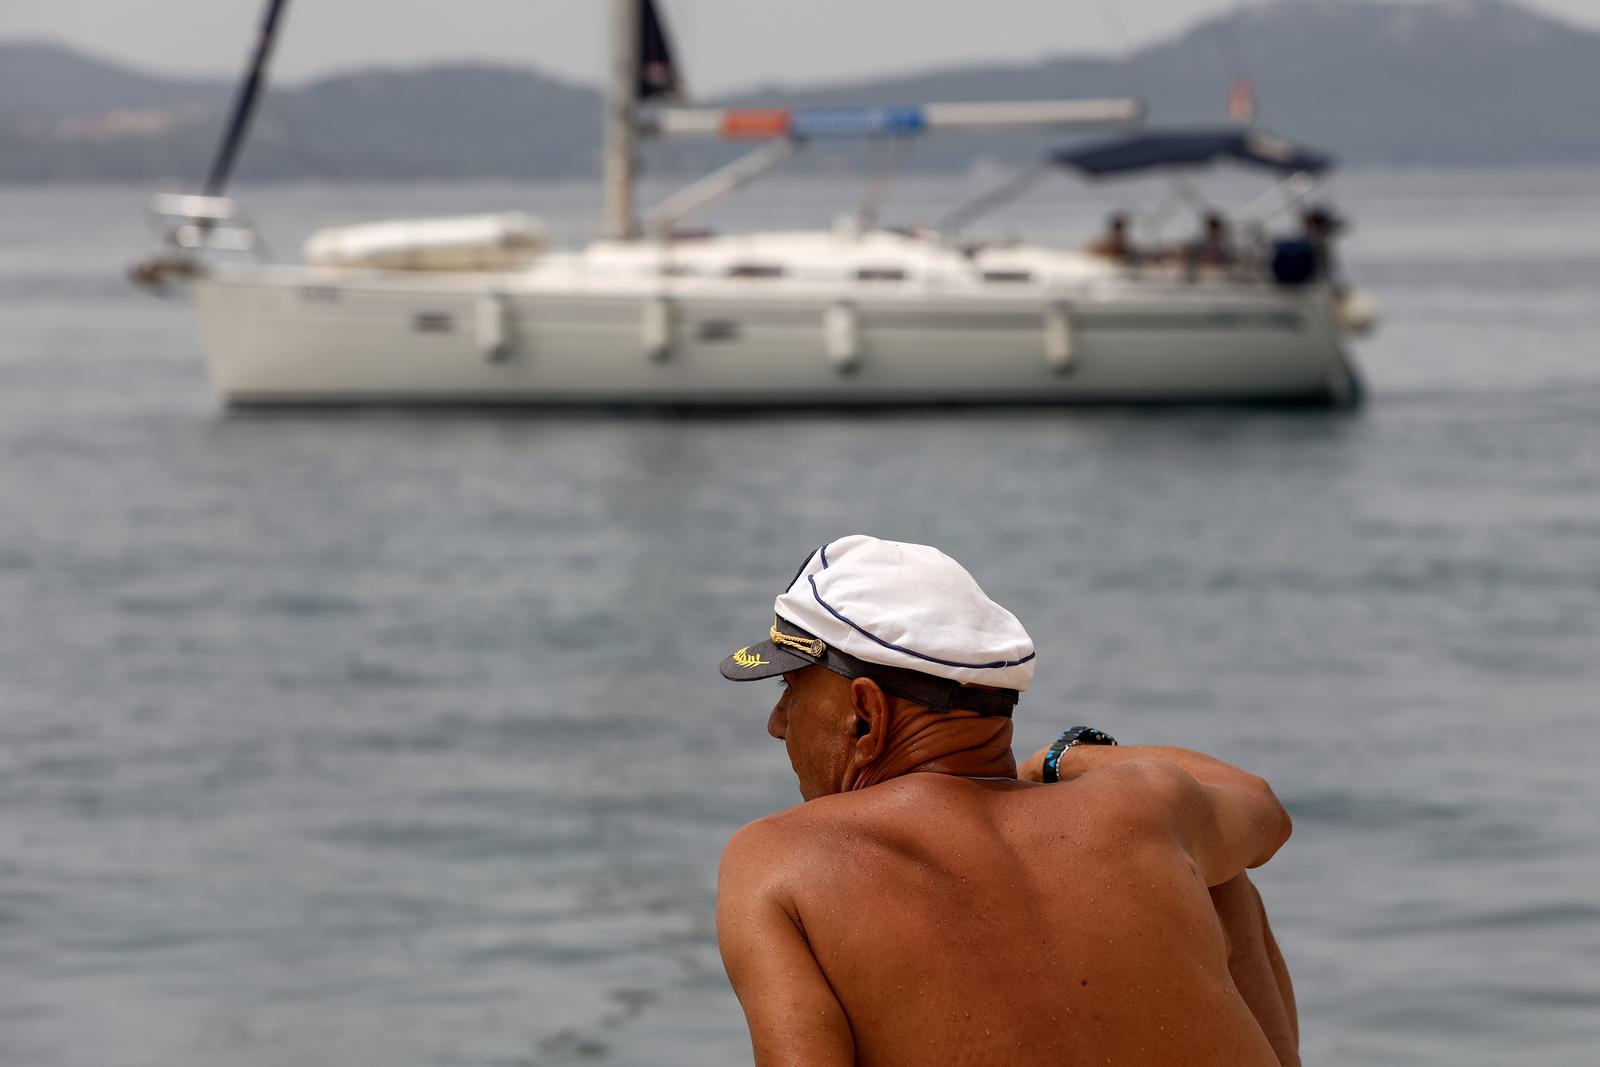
{"x":1228,"y":819}
{"x":794,"y":1018}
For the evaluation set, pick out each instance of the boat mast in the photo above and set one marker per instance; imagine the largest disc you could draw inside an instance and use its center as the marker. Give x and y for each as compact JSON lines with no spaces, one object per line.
{"x":244,"y":101}
{"x":622,"y":86}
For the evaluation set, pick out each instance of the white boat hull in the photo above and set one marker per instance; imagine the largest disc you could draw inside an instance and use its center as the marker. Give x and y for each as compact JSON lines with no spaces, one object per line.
{"x":300,"y":336}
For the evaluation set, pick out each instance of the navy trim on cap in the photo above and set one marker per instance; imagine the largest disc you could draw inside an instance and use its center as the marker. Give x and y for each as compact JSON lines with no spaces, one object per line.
{"x":824,"y":551}
{"x":996,"y":665}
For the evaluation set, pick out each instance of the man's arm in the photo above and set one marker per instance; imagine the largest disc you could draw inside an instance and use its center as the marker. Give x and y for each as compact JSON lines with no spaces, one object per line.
{"x":1257,"y":967}
{"x":1227,"y":819}
{"x":793,"y":1016}
{"x":1254,"y":962}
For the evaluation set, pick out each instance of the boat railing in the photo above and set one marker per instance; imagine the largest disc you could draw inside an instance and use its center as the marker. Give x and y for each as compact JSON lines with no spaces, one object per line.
{"x":1248,"y":262}
{"x":1179,"y":270}
{"x":201,"y":223}
{"x":189,"y":226}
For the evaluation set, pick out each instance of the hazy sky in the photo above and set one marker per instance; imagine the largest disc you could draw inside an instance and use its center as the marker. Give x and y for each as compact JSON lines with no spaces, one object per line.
{"x":725,"y":43}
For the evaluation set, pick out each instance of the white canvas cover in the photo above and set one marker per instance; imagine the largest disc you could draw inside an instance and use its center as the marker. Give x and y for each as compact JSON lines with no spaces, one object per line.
{"x":504,"y":241}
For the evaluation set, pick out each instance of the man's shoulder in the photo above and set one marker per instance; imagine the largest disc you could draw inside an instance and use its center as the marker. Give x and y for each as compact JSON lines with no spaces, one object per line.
{"x":769,"y":857}
{"x":790,"y":828}
{"x":769,"y":837}
{"x":805,"y":836}
{"x":1132,"y":794}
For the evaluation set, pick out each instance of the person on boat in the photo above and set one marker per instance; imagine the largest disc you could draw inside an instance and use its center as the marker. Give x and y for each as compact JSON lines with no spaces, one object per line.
{"x":1213,"y":249}
{"x":1114,"y":243}
{"x":927,"y":904}
{"x":1319,"y":226}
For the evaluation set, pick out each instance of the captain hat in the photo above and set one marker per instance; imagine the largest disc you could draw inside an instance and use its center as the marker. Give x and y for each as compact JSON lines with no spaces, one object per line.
{"x":907,"y":616}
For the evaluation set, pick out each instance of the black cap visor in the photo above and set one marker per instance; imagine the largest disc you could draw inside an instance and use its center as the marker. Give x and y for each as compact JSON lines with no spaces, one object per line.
{"x":763,"y":660}
{"x":768,"y":659}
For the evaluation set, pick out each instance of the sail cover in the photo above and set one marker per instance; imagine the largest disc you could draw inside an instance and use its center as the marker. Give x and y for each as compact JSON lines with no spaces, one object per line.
{"x":1193,"y":148}
{"x":658,"y":74}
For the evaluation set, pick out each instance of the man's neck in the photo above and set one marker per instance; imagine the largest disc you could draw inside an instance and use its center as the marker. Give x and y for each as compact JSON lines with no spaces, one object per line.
{"x":966,"y":746}
{"x":958,"y":767}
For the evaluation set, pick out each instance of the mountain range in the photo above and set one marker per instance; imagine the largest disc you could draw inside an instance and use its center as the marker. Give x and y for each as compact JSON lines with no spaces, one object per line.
{"x":1438,"y":82}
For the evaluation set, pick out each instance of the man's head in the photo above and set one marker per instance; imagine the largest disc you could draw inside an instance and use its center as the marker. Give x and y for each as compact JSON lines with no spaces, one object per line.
{"x":825,"y":722}
{"x":892,"y":657}
{"x":1320,"y":222}
{"x":1117,"y":223}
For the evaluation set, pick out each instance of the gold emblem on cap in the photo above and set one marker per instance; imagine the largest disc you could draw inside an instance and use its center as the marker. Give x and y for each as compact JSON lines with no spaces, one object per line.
{"x":748,"y":660}
{"x":811,"y":646}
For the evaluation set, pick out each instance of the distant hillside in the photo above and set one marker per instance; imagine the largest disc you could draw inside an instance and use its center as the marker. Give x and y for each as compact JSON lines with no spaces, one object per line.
{"x":64,"y":116}
{"x":1445,"y":82}
{"x":42,"y":83}
{"x":1448,"y":82}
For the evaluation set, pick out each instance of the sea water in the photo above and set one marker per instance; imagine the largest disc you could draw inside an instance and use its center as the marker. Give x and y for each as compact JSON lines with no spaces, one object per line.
{"x":397,"y":738}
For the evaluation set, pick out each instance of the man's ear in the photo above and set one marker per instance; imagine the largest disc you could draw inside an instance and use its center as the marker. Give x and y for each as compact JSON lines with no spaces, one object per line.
{"x":869,"y":706}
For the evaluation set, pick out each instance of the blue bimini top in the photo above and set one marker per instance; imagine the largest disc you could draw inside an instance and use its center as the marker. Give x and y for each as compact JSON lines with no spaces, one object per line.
{"x":1193,"y":148}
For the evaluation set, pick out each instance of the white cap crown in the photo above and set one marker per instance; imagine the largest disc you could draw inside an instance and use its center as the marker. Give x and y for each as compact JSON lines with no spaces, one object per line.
{"x":908,"y":606}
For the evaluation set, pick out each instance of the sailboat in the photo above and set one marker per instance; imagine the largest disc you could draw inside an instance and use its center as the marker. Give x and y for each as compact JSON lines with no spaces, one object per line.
{"x":478,"y":310}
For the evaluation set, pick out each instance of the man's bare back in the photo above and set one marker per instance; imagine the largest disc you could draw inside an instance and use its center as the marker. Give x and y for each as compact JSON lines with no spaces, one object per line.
{"x":961,"y":921}
{"x":930,"y":903}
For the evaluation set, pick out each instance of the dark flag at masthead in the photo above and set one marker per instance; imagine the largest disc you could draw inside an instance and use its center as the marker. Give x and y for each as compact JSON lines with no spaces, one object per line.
{"x":658,"y":74}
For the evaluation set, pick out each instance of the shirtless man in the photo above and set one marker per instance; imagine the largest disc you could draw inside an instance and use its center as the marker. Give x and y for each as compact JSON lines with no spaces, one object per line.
{"x":1213,"y":249}
{"x":1114,"y":244}
{"x":924,"y":906}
